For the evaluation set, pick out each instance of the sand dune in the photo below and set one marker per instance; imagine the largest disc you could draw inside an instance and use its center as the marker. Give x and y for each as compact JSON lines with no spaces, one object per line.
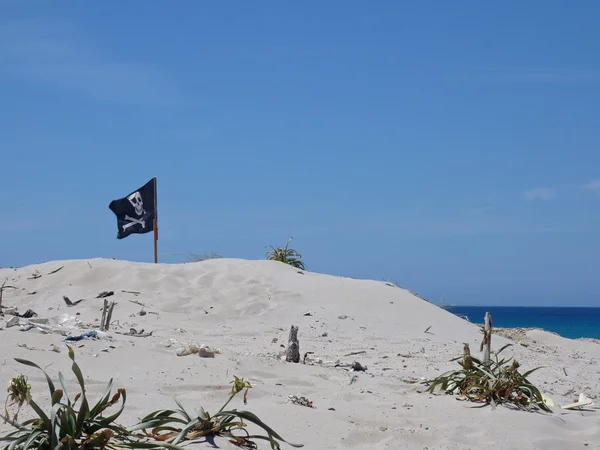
{"x":245,"y":308}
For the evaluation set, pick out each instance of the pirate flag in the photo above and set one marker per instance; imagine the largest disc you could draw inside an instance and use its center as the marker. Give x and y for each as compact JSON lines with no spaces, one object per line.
{"x":137,"y":211}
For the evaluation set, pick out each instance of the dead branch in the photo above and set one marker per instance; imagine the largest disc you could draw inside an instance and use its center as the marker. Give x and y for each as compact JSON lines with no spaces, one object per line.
{"x":55,"y":270}
{"x":356,"y":353}
{"x":138,"y":303}
{"x":131,"y":292}
{"x":68,"y":302}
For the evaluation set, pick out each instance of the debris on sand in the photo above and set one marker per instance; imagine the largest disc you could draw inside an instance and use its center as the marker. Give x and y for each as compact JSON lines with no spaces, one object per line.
{"x":87,"y":335}
{"x":69,"y":303}
{"x":193,"y":348}
{"x":136,"y":333}
{"x":301,"y":401}
{"x":358,"y":367}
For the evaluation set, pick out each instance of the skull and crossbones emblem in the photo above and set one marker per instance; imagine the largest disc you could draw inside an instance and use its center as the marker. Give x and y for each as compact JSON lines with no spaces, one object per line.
{"x":133,"y":221}
{"x":138,"y":205}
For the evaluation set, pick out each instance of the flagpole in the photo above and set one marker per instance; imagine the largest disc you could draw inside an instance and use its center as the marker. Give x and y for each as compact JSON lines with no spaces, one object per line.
{"x":155,"y":223}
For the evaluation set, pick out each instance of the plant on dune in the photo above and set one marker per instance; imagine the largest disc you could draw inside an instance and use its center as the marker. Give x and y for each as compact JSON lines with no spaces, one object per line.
{"x":286,"y":255}
{"x":175,"y":426}
{"x":76,"y":425}
{"x":19,"y":392}
{"x":197,"y":257}
{"x":66,"y":427}
{"x":495,"y":383}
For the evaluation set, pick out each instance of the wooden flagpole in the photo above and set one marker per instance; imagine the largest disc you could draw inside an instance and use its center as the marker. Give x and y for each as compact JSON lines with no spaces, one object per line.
{"x":155,"y":222}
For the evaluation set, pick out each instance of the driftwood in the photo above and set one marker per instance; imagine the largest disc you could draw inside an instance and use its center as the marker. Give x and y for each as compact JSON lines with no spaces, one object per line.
{"x":2,"y":288}
{"x":55,"y":270}
{"x":486,"y":343}
{"x":106,"y":315}
{"x":1,"y":291}
{"x":362,"y":352}
{"x":138,"y":303}
{"x":68,"y":302}
{"x":37,"y":275}
{"x":292,"y":353}
{"x":131,"y":292}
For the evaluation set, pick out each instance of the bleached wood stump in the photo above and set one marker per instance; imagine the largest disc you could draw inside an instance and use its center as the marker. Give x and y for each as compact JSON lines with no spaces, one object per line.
{"x":486,"y":343}
{"x":106,"y":315}
{"x":292,"y":353}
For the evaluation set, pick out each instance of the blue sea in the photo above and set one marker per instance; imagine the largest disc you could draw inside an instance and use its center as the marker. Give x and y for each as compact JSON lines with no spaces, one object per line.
{"x":568,"y":322}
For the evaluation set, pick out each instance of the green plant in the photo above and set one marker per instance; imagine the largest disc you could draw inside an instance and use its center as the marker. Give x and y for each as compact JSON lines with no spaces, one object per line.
{"x":197,"y":257}
{"x":495,"y":383}
{"x":19,"y":392}
{"x":66,"y":427}
{"x":175,"y":426}
{"x":286,"y":255}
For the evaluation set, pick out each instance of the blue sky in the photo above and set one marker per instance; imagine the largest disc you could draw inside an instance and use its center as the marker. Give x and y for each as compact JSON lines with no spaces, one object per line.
{"x":452,"y":147}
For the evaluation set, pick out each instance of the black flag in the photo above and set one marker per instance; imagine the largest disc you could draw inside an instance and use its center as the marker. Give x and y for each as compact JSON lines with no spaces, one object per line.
{"x":137,"y":211}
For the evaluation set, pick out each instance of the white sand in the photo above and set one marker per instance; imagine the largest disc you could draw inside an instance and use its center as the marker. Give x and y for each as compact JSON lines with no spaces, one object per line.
{"x":240,"y":306}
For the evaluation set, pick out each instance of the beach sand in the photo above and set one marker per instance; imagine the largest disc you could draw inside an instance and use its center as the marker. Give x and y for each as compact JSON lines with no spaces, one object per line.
{"x":245,"y":309}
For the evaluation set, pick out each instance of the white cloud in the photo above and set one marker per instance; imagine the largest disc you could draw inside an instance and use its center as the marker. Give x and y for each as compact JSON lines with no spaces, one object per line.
{"x":540,"y":194}
{"x":547,"y":194}
{"x":55,"y":53}
{"x":542,"y":74}
{"x":593,"y":186}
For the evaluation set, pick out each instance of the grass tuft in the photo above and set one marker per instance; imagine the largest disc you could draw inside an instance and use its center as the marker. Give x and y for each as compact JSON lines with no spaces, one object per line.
{"x":197,"y":257}
{"x":496,"y":383}
{"x":286,"y":255}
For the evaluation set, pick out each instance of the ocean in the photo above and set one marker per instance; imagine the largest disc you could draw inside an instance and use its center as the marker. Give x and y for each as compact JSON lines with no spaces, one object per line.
{"x":571,"y":323}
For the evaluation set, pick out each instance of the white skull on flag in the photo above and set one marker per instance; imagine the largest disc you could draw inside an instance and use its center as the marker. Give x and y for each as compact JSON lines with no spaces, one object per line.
{"x":136,"y":200}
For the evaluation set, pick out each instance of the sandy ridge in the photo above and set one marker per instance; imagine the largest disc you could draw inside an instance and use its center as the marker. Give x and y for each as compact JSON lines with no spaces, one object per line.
{"x":244,"y":308}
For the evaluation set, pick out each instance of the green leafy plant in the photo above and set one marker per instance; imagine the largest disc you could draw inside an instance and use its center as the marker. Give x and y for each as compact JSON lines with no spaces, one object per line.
{"x":76,"y":425}
{"x":66,"y":427}
{"x":175,"y":426}
{"x":495,"y":383}
{"x":286,"y":255}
